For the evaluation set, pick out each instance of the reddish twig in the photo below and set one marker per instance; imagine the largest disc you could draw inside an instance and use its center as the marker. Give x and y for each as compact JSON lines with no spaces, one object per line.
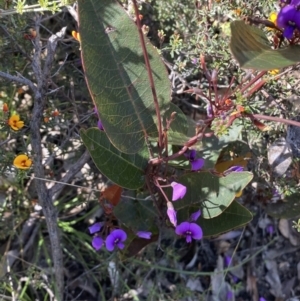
{"x":150,"y":75}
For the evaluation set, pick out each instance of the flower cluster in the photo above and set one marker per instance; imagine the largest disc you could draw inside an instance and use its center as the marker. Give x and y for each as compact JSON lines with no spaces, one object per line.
{"x":289,"y":17}
{"x":115,"y":239}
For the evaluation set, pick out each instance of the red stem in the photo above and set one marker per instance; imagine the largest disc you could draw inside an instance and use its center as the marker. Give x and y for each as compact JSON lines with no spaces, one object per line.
{"x":160,"y":133}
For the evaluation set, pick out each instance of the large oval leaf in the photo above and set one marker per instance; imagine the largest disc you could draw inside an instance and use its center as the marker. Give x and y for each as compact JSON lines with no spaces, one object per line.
{"x":233,"y":217}
{"x":117,"y":76}
{"x":251,"y":48}
{"x":211,"y":193}
{"x":123,"y":169}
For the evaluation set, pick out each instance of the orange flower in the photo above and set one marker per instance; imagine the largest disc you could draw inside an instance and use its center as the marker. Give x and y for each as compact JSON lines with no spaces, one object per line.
{"x":5,"y":107}
{"x":15,"y":123}
{"x":55,"y":113}
{"x":22,"y":162}
{"x":76,"y":35}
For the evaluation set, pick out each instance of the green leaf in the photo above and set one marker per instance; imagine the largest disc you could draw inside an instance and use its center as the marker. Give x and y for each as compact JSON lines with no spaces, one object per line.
{"x":213,"y":194}
{"x":137,"y":215}
{"x":212,"y":146}
{"x":251,"y":48}
{"x":289,"y":208}
{"x":123,"y":169}
{"x":117,"y":76}
{"x":177,"y":133}
{"x":235,"y":216}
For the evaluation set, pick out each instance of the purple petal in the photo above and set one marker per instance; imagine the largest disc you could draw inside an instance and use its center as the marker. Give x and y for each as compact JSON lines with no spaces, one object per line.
{"x":144,"y":234}
{"x":182,"y":228}
{"x":229,"y":296}
{"x":110,"y":242}
{"x":227,"y":260}
{"x":95,"y":228}
{"x":262,"y":299}
{"x":270,"y":229}
{"x":190,"y":154}
{"x":188,"y":239}
{"x":197,"y":164}
{"x":115,"y":238}
{"x":288,"y":32}
{"x":119,"y":234}
{"x":172,"y":214}
{"x":179,"y":191}
{"x":194,"y":61}
{"x":196,"y":230}
{"x":97,"y":243}
{"x":195,"y":215}
{"x":120,"y":245}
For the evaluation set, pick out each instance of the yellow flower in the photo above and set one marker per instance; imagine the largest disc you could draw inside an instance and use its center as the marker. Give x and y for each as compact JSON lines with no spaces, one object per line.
{"x":273,"y":72}
{"x":22,"y":162}
{"x":76,"y":35}
{"x":273,"y":19}
{"x":15,"y":123}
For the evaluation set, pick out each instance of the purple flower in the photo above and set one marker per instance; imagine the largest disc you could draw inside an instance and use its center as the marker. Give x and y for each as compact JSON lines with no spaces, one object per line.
{"x":194,"y":61}
{"x":227,"y":260}
{"x":171,"y":214}
{"x":262,"y":299}
{"x":289,"y":19}
{"x":189,"y":230}
{"x":196,"y":163}
{"x":96,"y":227}
{"x":270,"y":229}
{"x":179,"y":191}
{"x":97,"y":243}
{"x":116,"y":238}
{"x":144,"y":234}
{"x":194,"y":216}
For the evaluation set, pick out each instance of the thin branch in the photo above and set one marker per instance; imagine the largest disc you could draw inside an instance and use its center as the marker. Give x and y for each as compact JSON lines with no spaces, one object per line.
{"x":57,"y":188}
{"x":44,"y":195}
{"x":18,"y":79}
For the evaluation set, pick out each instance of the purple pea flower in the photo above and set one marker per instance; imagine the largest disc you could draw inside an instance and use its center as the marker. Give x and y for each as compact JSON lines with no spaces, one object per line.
{"x":194,"y":216}
{"x":289,"y":19}
{"x":179,"y":191}
{"x":144,"y":234}
{"x":196,"y":163}
{"x":190,"y":231}
{"x":116,"y":238}
{"x":96,"y":227}
{"x":171,"y":214}
{"x":97,"y":243}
